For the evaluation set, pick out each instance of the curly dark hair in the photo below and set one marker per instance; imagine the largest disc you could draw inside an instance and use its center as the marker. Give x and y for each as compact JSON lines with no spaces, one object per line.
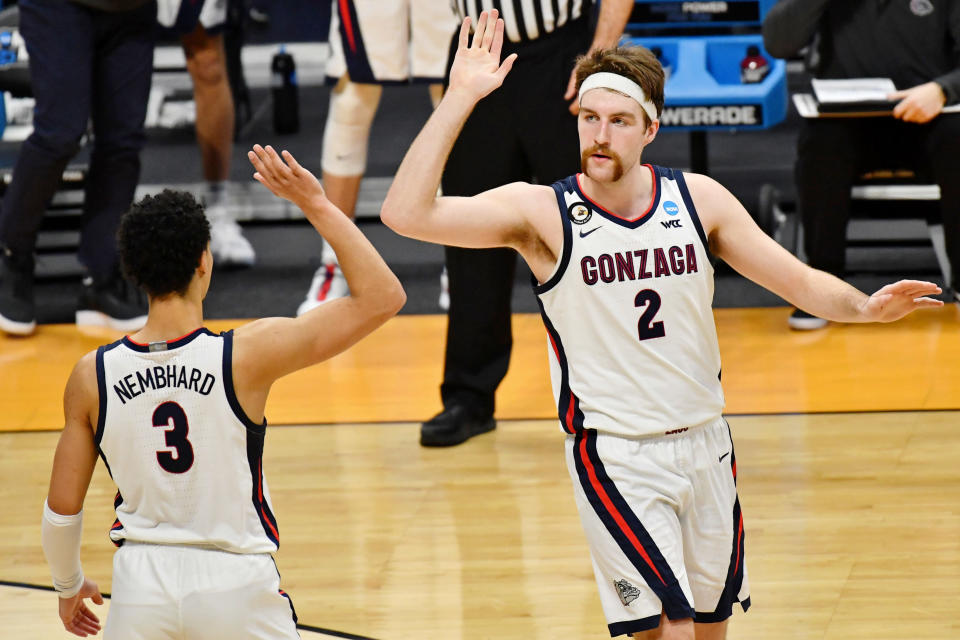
{"x":161,"y":239}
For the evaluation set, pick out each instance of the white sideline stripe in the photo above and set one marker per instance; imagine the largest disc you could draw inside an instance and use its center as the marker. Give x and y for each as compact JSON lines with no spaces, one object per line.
{"x":251,"y":201}
{"x":310,"y":58}
{"x":896,"y":192}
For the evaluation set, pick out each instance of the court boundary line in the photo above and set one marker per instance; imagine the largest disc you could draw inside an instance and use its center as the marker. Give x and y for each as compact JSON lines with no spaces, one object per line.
{"x":398,"y":423}
{"x":302,"y":627}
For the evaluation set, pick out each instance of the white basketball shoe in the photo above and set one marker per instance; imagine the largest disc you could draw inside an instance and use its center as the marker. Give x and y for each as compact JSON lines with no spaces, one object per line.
{"x":328,"y":284}
{"x":230,"y":248}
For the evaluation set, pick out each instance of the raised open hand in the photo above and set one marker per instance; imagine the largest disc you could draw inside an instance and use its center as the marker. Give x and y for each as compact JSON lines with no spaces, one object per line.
{"x":896,"y":300}
{"x":286,"y":178}
{"x":476,"y":69}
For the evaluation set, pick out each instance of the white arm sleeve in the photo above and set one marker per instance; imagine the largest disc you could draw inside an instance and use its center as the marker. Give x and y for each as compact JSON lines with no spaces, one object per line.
{"x":60,"y":537}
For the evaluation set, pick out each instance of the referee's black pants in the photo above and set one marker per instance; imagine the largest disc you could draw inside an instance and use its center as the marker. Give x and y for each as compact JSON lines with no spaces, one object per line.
{"x":523,"y":131}
{"x":84,"y":63}
{"x":833,"y":152}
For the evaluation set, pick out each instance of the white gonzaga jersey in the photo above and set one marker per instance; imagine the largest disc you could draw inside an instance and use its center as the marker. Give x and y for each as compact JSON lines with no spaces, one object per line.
{"x":628,"y":310}
{"x":186,"y":459}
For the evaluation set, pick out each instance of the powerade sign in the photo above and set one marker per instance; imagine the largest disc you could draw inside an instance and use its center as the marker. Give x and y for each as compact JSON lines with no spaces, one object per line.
{"x":719,"y":115}
{"x":702,"y":13}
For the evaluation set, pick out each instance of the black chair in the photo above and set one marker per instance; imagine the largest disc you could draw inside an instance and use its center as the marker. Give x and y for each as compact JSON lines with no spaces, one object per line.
{"x":890,"y":195}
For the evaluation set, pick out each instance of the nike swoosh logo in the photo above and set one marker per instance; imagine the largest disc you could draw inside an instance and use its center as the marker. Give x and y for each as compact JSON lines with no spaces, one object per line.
{"x":724,"y":456}
{"x":584,"y":234}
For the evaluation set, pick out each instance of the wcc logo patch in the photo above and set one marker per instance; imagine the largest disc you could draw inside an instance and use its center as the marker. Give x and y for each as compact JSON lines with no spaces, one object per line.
{"x":627,"y":592}
{"x":579,"y":213}
{"x":671,"y":209}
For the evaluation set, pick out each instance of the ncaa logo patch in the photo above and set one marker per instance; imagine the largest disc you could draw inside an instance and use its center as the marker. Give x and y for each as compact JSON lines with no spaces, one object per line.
{"x":921,"y":8}
{"x":671,"y":207}
{"x":579,"y":213}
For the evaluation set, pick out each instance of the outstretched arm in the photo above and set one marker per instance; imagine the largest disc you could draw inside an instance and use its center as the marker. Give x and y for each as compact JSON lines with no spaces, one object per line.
{"x":736,"y":238}
{"x":73,"y":465}
{"x":270,"y":348}
{"x":412,"y":207}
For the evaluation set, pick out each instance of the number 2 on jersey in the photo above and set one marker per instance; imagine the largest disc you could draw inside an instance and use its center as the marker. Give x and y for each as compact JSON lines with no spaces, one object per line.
{"x":172,"y":417}
{"x":646,"y":327}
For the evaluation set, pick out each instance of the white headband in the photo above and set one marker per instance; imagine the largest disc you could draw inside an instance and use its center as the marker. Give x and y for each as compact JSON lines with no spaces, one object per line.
{"x":626,"y":86}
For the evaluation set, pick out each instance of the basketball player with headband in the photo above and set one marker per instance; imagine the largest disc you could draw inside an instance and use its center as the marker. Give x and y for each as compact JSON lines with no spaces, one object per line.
{"x":621,"y":256}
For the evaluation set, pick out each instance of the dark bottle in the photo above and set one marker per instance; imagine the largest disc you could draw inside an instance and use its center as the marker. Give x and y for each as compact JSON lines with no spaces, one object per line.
{"x":754,"y":68}
{"x":283,"y":81}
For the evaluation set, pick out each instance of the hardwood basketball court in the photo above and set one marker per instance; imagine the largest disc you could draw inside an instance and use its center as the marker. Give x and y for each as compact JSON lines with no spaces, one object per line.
{"x":847,"y":441}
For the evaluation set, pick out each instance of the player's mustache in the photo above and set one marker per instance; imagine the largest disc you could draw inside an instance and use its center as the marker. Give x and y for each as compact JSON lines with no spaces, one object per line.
{"x":602,"y":149}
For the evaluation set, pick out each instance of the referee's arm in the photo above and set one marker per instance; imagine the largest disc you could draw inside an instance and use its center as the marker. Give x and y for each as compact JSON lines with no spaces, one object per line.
{"x":610,"y":26}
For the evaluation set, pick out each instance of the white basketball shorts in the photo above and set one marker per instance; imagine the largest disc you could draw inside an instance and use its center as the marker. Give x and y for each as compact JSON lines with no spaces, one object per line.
{"x":662,"y":520}
{"x":390,"y":41}
{"x":170,"y":591}
{"x":183,"y":15}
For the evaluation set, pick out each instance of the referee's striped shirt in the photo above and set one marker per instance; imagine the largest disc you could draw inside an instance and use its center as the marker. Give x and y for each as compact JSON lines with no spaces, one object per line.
{"x":526,"y":20}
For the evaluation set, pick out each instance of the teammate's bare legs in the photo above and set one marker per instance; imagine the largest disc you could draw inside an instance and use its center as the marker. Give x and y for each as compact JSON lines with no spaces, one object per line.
{"x":684,"y":629}
{"x":346,"y":137}
{"x":207,"y":64}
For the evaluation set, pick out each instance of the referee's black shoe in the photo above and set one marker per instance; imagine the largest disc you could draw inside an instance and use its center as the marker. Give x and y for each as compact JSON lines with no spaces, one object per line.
{"x":453,"y":425}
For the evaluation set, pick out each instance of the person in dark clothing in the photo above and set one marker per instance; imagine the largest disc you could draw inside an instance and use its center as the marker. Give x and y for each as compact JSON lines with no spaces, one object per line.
{"x":88,"y":59}
{"x":917,"y":45}
{"x":523,"y":132}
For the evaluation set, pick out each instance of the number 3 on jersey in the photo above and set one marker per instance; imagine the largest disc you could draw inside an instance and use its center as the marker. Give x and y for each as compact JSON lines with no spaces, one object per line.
{"x":646,"y":327}
{"x":172,"y":417}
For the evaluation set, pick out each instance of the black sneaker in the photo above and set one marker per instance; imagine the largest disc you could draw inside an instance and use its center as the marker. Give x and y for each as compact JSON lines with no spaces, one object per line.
{"x":803,"y":321}
{"x":452,"y":426}
{"x":114,"y":303}
{"x":18,"y":315}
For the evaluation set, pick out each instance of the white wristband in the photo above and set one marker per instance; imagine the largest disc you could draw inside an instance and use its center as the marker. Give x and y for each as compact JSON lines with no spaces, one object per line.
{"x":60,"y":537}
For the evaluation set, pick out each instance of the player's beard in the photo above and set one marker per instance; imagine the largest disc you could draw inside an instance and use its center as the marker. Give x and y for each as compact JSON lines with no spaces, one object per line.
{"x":604,"y":150}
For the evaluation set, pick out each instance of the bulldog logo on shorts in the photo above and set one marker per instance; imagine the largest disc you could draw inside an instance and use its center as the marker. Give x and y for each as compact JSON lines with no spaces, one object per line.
{"x":627,"y":592}
{"x":579,"y":213}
